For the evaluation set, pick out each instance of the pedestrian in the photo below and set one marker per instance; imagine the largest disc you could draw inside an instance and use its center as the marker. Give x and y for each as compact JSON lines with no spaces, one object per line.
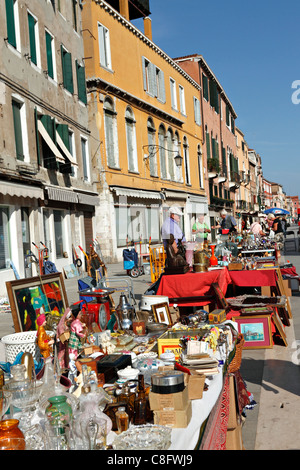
{"x":200,"y":229}
{"x":171,"y":226}
{"x":228,"y":222}
{"x":256,"y":229}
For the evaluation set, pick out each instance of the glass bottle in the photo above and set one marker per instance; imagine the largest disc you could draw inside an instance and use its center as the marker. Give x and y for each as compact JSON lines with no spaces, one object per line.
{"x":128,"y":397}
{"x":140,"y":403}
{"x":122,"y":419}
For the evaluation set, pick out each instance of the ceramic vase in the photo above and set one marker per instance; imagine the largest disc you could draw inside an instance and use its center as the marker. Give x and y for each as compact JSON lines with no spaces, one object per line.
{"x":59,"y":412}
{"x":213,"y":259}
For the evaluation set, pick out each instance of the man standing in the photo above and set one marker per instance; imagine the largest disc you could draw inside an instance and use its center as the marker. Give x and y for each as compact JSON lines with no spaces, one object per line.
{"x":227,"y":223}
{"x":171,"y":226}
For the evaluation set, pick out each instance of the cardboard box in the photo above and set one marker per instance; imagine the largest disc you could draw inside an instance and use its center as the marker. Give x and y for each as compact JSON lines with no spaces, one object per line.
{"x":234,"y":439}
{"x":195,"y":385}
{"x":174,"y":418}
{"x":287,"y":287}
{"x":170,"y":401}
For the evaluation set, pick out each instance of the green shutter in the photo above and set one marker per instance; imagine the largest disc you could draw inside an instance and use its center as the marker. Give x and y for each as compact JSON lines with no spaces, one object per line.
{"x":16,"y":107}
{"x":80,"y":71}
{"x":38,"y":150}
{"x":66,"y":58}
{"x":205,"y":86}
{"x":31,"y":26}
{"x":207,"y":145}
{"x":63,"y":131}
{"x":10,"y":23}
{"x":49,"y":55}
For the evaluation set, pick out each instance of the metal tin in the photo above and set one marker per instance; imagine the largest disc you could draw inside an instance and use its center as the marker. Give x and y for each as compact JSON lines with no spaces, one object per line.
{"x":170,"y":381}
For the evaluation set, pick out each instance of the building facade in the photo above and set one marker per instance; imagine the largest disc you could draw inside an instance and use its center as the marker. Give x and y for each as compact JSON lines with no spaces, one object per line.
{"x":46,"y":190}
{"x":222,"y":177}
{"x":145,"y":119}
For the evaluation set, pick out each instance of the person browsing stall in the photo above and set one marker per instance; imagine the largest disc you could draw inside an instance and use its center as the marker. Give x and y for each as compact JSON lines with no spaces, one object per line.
{"x":256,"y":229}
{"x":227,"y":222}
{"x":171,"y":226}
{"x":200,"y":229}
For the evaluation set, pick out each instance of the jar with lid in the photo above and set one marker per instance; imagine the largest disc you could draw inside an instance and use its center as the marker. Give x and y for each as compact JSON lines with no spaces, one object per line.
{"x":122,"y":419}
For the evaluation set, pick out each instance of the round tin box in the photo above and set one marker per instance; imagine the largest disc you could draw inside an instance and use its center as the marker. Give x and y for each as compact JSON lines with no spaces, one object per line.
{"x":171,"y":381}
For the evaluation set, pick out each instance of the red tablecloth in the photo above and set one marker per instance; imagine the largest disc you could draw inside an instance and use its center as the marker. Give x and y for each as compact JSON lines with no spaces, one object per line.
{"x":256,"y":278}
{"x":193,"y":285}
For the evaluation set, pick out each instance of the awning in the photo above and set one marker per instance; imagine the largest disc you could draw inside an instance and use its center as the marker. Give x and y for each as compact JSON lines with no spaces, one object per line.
{"x":197,"y":205}
{"x":65,"y":150}
{"x":136,"y":193}
{"x":21,"y":190}
{"x":88,"y":199}
{"x":63,"y":195}
{"x":42,"y":130}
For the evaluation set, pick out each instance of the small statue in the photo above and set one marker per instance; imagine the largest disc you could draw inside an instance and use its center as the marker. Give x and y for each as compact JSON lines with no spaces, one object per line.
{"x":44,"y":341}
{"x":78,"y":332}
{"x":174,"y":257}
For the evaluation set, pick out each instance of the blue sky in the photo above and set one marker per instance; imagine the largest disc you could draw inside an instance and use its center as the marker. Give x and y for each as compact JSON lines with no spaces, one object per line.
{"x":253,"y":49}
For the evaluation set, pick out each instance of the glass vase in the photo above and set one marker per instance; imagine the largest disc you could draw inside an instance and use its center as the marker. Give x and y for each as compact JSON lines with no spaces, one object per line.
{"x":11,"y":437}
{"x":59,"y":412}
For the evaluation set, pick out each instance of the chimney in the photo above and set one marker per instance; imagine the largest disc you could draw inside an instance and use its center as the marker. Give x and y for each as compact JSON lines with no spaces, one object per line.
{"x":124,"y":9}
{"x":148,"y":27}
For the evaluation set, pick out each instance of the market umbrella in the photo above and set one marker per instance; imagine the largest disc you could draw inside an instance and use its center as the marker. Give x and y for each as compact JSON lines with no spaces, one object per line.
{"x":276,"y":211}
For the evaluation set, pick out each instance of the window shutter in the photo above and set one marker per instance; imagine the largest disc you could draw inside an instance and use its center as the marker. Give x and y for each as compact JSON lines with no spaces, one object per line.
{"x":80,"y":71}
{"x":208,"y":145}
{"x":205,"y":86}
{"x":162,"y":89}
{"x":18,"y":130}
{"x":67,"y":70}
{"x":152,"y":78}
{"x":31,"y":26}
{"x":10,"y":23}
{"x":49,"y":55}
{"x":38,"y":150}
{"x":144,"y":73}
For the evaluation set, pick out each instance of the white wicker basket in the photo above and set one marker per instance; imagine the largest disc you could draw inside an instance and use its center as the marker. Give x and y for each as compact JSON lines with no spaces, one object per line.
{"x":21,"y":342}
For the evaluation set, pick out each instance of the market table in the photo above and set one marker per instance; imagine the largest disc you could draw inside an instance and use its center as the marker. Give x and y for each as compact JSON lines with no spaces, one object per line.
{"x":193,"y":288}
{"x":254,"y":278}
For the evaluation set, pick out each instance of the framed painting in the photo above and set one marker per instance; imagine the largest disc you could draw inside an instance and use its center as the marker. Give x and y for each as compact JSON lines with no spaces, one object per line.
{"x":30,"y":297}
{"x":256,"y":331}
{"x":221,"y":301}
{"x":161,"y":313}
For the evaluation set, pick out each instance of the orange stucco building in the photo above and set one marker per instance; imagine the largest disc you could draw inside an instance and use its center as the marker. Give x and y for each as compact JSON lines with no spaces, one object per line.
{"x":146,"y":126}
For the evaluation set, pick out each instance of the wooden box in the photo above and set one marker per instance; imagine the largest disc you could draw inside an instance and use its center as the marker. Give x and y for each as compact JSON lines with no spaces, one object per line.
{"x":217,"y":316}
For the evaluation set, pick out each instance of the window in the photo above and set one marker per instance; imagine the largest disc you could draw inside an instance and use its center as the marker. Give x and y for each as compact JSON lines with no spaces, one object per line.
{"x":197,"y":111}
{"x":186,"y":161}
{"x":63,"y":137}
{"x":12,"y":23}
{"x":173,"y":94}
{"x":74,"y":14}
{"x":5,"y":252}
{"x":66,"y":62}
{"x":162,"y":152}
{"x":81,"y":84}
{"x":131,"y":141}
{"x":51,"y":69}
{"x":33,"y":39}
{"x":85,"y":160}
{"x":214,"y":95}
{"x":176,"y":146}
{"x":46,"y":224}
{"x":182,"y":100}
{"x":152,"y":153}
{"x":153,"y":80}
{"x":104,"y":46}
{"x":111,"y":136}
{"x":58,"y":233}
{"x":19,"y":120}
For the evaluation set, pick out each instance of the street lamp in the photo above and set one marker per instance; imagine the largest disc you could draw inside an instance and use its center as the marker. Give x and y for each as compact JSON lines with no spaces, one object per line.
{"x":153,"y":149}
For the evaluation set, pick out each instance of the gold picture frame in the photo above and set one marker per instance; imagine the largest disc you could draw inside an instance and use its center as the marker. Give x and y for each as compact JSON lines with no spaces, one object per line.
{"x":161,"y":313}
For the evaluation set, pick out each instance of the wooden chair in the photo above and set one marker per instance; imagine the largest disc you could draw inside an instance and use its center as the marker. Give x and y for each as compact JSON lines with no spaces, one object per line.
{"x":157,"y":261}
